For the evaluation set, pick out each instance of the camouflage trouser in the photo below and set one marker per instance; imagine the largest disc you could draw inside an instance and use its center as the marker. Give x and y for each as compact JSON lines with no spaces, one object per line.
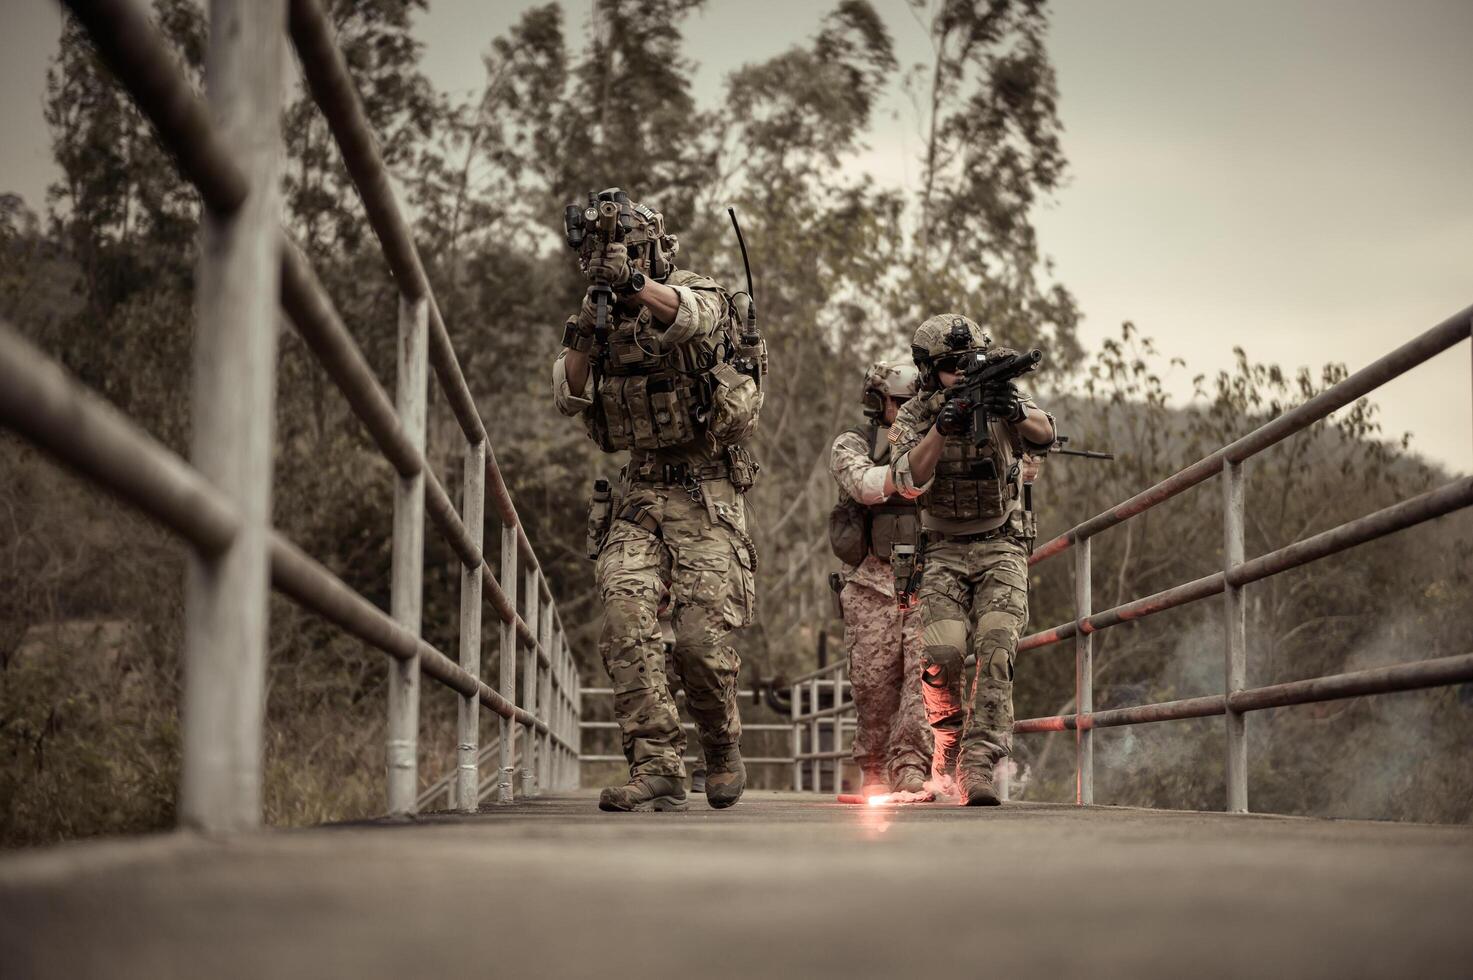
{"x":974,"y":599}
{"x":698,"y":549}
{"x":884,"y":646}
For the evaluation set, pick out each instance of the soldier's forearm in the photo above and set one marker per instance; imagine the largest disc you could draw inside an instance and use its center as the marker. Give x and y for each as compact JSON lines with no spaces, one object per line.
{"x":575,"y":365}
{"x":924,"y":456}
{"x":874,"y":486}
{"x":663,"y":301}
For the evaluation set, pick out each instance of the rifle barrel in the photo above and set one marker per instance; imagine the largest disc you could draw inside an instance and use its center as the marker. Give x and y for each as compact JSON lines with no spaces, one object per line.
{"x":1086,"y":453}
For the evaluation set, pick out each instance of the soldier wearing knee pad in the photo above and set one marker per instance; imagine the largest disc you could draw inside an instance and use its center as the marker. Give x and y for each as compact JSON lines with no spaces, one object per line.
{"x":974,"y":596}
{"x":892,"y":744}
{"x":657,"y":367}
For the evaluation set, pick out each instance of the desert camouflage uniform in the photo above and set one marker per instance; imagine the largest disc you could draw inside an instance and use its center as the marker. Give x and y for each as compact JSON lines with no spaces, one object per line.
{"x":974,"y":599}
{"x":883,"y":641}
{"x":690,"y":538}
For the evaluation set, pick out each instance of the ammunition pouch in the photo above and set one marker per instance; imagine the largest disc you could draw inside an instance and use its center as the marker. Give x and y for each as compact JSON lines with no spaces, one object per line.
{"x":848,"y":537}
{"x":970,"y":483}
{"x":744,"y":467}
{"x":653,"y":411}
{"x":890,"y":524}
{"x":735,"y":404}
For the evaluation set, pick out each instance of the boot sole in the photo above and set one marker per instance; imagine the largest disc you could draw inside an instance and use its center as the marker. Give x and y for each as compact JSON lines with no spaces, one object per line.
{"x":722,"y":804}
{"x":660,"y":804}
{"x":983,"y":798}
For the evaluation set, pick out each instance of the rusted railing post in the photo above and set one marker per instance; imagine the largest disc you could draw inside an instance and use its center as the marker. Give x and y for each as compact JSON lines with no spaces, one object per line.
{"x":468,"y":718}
{"x":1235,"y":637}
{"x":1084,"y":698}
{"x":508,"y":654}
{"x":407,"y":575}
{"x":233,"y":397}
{"x":530,"y":664}
{"x":796,"y":695}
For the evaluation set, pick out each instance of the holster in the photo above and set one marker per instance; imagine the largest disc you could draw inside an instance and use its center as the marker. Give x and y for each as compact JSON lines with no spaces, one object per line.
{"x":908,"y":562}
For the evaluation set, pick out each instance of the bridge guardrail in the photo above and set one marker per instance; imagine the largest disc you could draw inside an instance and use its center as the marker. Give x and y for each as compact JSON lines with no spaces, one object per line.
{"x":1236,"y":700}
{"x":220,"y":502}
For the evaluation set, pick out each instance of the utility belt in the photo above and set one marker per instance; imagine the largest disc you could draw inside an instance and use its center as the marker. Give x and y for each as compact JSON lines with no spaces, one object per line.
{"x":1004,"y":530}
{"x":647,"y":470}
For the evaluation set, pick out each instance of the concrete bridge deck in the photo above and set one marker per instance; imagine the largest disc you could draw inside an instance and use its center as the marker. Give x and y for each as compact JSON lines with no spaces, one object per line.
{"x":778,"y":886}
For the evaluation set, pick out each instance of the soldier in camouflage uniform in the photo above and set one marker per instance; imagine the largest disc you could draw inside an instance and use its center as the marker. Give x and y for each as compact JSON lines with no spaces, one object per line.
{"x":975,"y":591}
{"x":664,"y":386}
{"x":892,"y":744}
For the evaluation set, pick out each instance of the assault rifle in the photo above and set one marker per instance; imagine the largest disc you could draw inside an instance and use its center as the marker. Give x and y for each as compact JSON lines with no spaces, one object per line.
{"x":981,"y":375}
{"x":1059,"y":449}
{"x":607,"y":218}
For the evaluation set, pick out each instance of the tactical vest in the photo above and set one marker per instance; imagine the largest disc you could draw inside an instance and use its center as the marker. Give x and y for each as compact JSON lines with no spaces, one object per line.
{"x":651,"y":397}
{"x":857,"y":530}
{"x":974,"y":484}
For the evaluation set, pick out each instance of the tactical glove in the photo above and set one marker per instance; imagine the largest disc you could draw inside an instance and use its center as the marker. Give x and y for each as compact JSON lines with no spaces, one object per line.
{"x":955,"y":418}
{"x":610,"y":264}
{"x":1004,"y":402}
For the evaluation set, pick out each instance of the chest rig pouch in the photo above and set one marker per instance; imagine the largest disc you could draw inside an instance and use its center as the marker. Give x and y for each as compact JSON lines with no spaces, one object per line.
{"x":973,"y":484}
{"x":856,"y":530}
{"x":648,"y":398}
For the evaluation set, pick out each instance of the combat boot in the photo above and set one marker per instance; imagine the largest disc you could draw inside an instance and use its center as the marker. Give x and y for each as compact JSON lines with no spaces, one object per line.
{"x":726,"y":777}
{"x":698,"y":781}
{"x":643,"y":793}
{"x":911,"y":779}
{"x":976,"y":786}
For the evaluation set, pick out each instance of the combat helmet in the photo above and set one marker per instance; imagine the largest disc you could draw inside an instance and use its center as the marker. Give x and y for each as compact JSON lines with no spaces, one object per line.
{"x":887,"y":379}
{"x":651,"y":249}
{"x":944,"y":337}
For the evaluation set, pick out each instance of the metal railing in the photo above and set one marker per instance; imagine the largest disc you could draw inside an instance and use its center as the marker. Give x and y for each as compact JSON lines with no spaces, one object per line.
{"x":830,"y":677}
{"x":1236,"y":700}
{"x":219,"y":502}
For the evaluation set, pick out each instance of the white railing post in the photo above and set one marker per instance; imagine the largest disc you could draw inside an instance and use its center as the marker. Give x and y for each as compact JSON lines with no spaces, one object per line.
{"x":565,"y":713}
{"x":407,"y":576}
{"x":533,"y":615}
{"x":467,"y":786}
{"x":508,"y":653}
{"x":1084,"y":698}
{"x":575,"y":734}
{"x":559,"y":693}
{"x":233,"y":420}
{"x":797,"y":697}
{"x":1235,"y":638}
{"x":545,"y":703}
{"x":815,"y":771}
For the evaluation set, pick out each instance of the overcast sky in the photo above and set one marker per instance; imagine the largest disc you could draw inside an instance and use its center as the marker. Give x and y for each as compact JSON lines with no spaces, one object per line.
{"x":1292,"y":177}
